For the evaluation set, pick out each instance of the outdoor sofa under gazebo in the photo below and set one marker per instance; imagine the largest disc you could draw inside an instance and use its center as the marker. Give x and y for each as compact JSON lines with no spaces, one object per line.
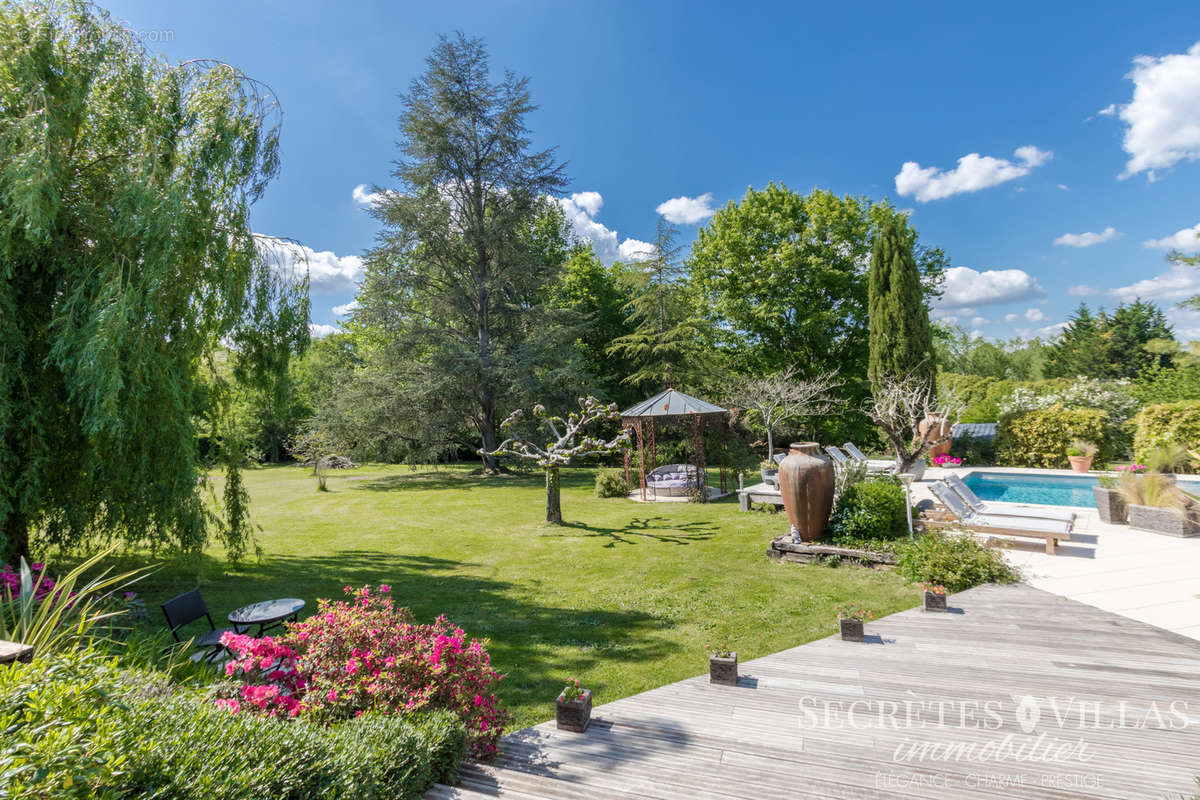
{"x":645,"y":420}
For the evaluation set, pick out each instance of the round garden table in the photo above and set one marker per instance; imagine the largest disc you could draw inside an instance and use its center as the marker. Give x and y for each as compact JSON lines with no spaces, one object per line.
{"x":266,"y":615}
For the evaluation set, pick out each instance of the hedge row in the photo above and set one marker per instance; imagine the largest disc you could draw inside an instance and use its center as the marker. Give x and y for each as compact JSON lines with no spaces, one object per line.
{"x":1040,"y":438}
{"x":77,"y":726}
{"x":1156,"y":425}
{"x":982,"y":396}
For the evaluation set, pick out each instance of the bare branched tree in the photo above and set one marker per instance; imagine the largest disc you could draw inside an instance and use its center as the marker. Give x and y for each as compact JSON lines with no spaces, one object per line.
{"x":559,"y":452}
{"x":781,"y":398}
{"x":900,"y":405}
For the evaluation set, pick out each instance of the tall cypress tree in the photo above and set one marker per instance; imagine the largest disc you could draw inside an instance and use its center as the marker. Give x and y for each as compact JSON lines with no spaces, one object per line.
{"x":901,"y":338}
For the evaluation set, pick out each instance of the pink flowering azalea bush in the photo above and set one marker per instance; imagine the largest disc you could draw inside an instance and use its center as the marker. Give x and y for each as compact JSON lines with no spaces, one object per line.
{"x":366,"y":654}
{"x":947,"y":460}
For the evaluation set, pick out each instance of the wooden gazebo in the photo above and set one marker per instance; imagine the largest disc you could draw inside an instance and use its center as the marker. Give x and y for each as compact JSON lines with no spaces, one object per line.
{"x":667,"y":408}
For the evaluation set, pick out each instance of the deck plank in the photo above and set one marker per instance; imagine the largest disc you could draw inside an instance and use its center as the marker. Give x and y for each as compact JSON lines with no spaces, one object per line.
{"x":1090,"y":677}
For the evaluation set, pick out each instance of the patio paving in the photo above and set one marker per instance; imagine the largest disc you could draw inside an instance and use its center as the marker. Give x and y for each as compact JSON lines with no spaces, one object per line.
{"x":1018,"y":693}
{"x":1141,"y":575}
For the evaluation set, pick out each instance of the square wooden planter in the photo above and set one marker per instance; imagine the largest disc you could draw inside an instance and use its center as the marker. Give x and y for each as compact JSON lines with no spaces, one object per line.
{"x":723,"y":671}
{"x":1162,"y":520}
{"x":1111,"y":506}
{"x":852,"y":630}
{"x":575,"y":715}
{"x":935,"y":601}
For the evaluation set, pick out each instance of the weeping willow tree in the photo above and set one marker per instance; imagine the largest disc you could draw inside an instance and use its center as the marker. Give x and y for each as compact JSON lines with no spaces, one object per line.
{"x":127,"y":260}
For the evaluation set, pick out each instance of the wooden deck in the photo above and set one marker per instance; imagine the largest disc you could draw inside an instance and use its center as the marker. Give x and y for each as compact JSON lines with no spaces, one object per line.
{"x":1003,"y":656}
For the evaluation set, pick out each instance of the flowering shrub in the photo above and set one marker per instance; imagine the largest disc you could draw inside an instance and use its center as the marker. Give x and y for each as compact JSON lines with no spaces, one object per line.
{"x":267,"y":669}
{"x":365,"y":654}
{"x":10,"y":582}
{"x":1113,"y":396}
{"x":947,"y":460}
{"x":933,"y":587}
{"x":1135,"y":469}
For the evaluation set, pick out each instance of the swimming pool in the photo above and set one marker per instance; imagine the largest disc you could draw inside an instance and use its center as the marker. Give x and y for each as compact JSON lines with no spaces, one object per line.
{"x":1047,"y":490}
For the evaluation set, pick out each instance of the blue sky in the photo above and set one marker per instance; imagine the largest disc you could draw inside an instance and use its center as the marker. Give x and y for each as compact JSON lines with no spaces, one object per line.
{"x":1084,"y":119}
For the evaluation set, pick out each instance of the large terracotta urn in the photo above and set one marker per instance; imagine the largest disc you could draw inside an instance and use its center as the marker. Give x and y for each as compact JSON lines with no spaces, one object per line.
{"x":806,"y":483}
{"x":934,"y":428}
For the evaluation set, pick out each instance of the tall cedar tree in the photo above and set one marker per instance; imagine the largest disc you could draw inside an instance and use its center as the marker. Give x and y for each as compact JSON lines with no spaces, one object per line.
{"x":455,"y":289}
{"x":1105,"y":345}
{"x":901,"y":338}
{"x":126,"y":258}
{"x":664,"y":347}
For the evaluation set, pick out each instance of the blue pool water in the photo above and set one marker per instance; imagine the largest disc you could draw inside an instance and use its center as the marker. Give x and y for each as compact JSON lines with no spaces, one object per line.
{"x":1048,"y":490}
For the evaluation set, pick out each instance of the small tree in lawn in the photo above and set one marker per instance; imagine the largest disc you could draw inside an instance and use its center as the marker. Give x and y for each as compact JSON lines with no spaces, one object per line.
{"x":563,"y":447}
{"x":314,"y":445}
{"x":899,"y":406}
{"x":781,"y":398}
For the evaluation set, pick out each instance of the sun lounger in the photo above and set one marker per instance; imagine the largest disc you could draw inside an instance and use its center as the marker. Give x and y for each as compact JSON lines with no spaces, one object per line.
{"x":1050,"y":530}
{"x":873,"y":464}
{"x":979,"y":506}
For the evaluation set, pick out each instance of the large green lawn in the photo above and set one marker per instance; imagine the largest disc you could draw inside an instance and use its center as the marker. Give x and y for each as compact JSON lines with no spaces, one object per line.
{"x":624,"y":595}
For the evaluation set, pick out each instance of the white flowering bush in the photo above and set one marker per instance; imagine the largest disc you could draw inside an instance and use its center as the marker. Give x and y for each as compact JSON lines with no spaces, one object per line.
{"x":1114,"y":397}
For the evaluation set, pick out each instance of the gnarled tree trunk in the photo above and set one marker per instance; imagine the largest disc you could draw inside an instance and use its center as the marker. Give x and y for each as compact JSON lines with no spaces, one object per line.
{"x":553,"y":503}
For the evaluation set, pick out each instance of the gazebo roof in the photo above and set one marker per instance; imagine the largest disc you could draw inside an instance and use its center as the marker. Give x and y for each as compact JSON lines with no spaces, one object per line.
{"x":671,"y":404}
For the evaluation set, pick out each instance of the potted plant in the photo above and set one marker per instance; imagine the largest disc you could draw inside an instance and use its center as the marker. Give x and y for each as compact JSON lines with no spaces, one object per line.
{"x":722,"y":665}
{"x":1109,"y":501}
{"x":1157,"y":505}
{"x":935,"y":597}
{"x":770,"y":472}
{"x":1080,"y":453}
{"x":1167,"y":459}
{"x":851,"y":618}
{"x":573,"y":710}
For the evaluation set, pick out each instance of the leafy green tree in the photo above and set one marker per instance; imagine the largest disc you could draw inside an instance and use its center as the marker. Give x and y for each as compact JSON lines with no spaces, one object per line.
{"x":665,"y":348}
{"x":1110,"y":345}
{"x":597,"y":294}
{"x":454,"y":296}
{"x":901,"y":340}
{"x":784,"y":279}
{"x":127,"y":257}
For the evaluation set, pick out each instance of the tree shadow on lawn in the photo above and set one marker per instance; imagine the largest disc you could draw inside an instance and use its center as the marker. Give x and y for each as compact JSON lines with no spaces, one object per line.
{"x":537,"y":645}
{"x":458,"y":479}
{"x":660,"y":529}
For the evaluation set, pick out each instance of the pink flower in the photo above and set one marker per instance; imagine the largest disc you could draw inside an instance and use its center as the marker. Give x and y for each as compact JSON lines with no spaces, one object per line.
{"x":332,"y":695}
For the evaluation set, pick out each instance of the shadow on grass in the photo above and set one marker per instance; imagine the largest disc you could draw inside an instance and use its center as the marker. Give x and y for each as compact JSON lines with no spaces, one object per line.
{"x":459,"y":479}
{"x":536,"y":644}
{"x":659,"y":529}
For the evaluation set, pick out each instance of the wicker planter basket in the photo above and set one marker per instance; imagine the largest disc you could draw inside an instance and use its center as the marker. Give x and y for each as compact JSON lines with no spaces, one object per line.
{"x":723,"y":671}
{"x":1111,"y":506}
{"x":1162,"y":520}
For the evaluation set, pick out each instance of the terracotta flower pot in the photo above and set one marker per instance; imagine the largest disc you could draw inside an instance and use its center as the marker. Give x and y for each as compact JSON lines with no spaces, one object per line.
{"x":723,"y":671}
{"x":575,"y":715}
{"x":806,"y":484}
{"x":852,"y":630}
{"x":1080,"y":463}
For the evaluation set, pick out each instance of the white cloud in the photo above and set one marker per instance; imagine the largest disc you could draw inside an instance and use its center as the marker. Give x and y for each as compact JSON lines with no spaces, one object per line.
{"x":327,"y":272}
{"x":364,"y":197}
{"x":1163,"y":118}
{"x":1177,"y":283}
{"x":979,"y":322}
{"x":320,"y":331}
{"x":687,"y":210}
{"x":1010,"y":317}
{"x":1185,"y":239}
{"x":1087,"y":239}
{"x":974,"y":172}
{"x":949,"y":319}
{"x":1063,"y":186}
{"x":976,"y":334}
{"x":964,"y":286}
{"x":1108,"y":111}
{"x":1034,"y":314}
{"x":1052,"y":330}
{"x":348,"y":308}
{"x":1083,"y":290}
{"x":581,"y":209}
